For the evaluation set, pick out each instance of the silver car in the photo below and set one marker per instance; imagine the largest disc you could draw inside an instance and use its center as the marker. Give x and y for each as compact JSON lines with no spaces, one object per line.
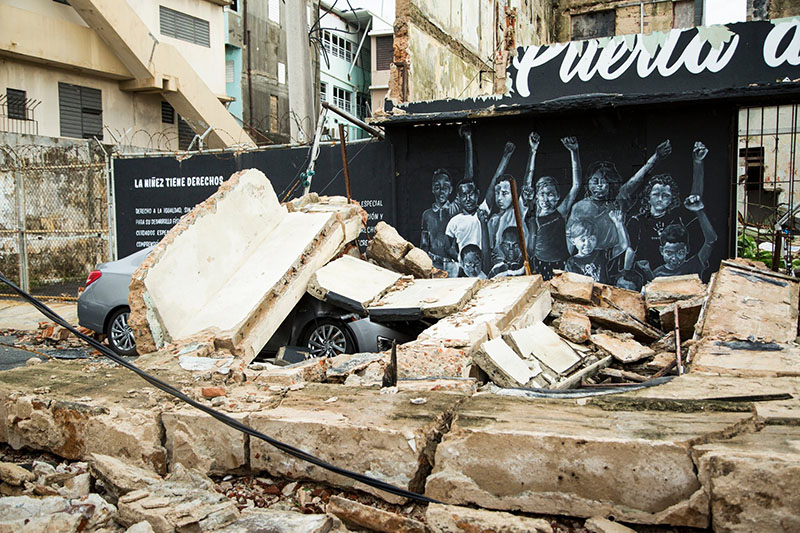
{"x":318,"y":328}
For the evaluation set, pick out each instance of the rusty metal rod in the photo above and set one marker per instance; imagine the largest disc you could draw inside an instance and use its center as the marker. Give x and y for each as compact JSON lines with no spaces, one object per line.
{"x":678,"y":362}
{"x":520,"y":229}
{"x":345,"y":166}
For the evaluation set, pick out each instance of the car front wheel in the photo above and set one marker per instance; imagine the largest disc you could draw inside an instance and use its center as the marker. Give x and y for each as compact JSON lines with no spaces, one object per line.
{"x":328,"y":337}
{"x":120,"y":334}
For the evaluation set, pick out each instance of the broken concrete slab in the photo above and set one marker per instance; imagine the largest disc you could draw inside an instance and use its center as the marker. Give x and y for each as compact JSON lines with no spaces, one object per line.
{"x":268,"y":520}
{"x":502,"y":364}
{"x":542,"y":343}
{"x":754,"y":480}
{"x":559,"y":458}
{"x":624,"y":350}
{"x":613,"y":319}
{"x":668,"y":290}
{"x":118,"y":477}
{"x":498,"y":302}
{"x":572,"y":287}
{"x":535,"y":311}
{"x":748,"y":303}
{"x":371,"y":518}
{"x":618,"y":298}
{"x":310,"y":370}
{"x":236,"y":286}
{"x":14,"y":475}
{"x":431,"y":358}
{"x":574,"y":326}
{"x":598,"y":524}
{"x":746,"y":358}
{"x":391,"y":440}
{"x":343,"y":365}
{"x":688,"y":313}
{"x":199,"y":442}
{"x":55,"y":513}
{"x":454,"y":519}
{"x":184,"y":501}
{"x":351,"y":283}
{"x":389,"y":250}
{"x":425,"y":298}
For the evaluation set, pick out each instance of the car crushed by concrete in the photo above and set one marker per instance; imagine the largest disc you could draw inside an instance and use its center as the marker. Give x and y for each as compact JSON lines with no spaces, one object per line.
{"x":518,"y":400}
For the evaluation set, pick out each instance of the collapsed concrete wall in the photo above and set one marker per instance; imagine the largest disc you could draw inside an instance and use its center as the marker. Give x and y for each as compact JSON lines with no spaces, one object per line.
{"x":217,"y":270}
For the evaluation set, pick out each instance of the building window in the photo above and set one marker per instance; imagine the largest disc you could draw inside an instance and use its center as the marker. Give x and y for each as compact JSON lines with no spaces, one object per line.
{"x":362,"y":105}
{"x":273,"y":114}
{"x":281,"y":72}
{"x":234,"y":5}
{"x":80,"y":111}
{"x":185,"y":134}
{"x":323,"y":91}
{"x":16,"y":104}
{"x":754,"y":167}
{"x":229,"y":71}
{"x":343,"y":99}
{"x":683,"y":14}
{"x":275,"y":11}
{"x":593,"y":25}
{"x":337,"y":46}
{"x":184,"y":27}
{"x":167,"y":113}
{"x":384,"y":52}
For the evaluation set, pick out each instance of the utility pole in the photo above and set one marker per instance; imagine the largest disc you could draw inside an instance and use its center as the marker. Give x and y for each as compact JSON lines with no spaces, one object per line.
{"x":301,"y":83}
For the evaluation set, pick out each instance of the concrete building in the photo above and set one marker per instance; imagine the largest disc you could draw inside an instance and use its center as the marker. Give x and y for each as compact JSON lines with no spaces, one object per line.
{"x":121,"y":72}
{"x":345,"y":42}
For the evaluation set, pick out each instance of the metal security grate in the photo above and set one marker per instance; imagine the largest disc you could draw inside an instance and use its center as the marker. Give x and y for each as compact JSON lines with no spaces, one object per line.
{"x":768,"y":191}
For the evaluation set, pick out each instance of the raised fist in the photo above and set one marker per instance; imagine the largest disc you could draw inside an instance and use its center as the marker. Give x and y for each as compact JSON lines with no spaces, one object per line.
{"x":570,"y":143}
{"x":700,"y":151}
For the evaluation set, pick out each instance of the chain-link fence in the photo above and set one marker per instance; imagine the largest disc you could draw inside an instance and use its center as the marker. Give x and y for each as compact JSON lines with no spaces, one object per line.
{"x":53,"y":215}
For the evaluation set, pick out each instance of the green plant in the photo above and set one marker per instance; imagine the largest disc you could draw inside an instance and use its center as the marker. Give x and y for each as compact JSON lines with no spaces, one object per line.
{"x":748,"y":248}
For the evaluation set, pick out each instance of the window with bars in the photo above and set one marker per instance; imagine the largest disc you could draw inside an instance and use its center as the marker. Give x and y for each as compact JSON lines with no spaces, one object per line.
{"x":80,"y":111}
{"x":338,"y":46}
{"x":185,"y":134}
{"x":167,"y":113}
{"x":362,"y":105}
{"x":384,"y":52}
{"x":16,"y":104}
{"x":343,"y":99}
{"x":184,"y":27}
{"x":323,"y":91}
{"x":274,"y":9}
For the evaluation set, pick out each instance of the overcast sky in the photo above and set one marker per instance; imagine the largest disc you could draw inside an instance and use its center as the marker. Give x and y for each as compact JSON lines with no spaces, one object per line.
{"x":722,"y":11}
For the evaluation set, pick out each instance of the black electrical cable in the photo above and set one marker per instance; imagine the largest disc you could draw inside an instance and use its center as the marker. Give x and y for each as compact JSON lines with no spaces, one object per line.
{"x":231,"y":422}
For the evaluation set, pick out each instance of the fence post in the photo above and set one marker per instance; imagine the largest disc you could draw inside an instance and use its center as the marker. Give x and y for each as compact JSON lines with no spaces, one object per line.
{"x":24,"y":281}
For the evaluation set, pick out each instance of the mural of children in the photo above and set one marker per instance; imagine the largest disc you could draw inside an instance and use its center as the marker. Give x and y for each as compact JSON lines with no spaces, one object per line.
{"x":661,"y":208}
{"x":472,"y":262}
{"x":675,"y":244}
{"x":469,"y":225}
{"x":546,"y":220}
{"x":434,"y":222}
{"x":589,"y":260}
{"x":498,"y":202}
{"x":512,"y":264}
{"x":604,"y":193}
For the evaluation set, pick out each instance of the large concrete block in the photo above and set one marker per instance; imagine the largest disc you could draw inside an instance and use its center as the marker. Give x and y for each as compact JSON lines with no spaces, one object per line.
{"x":381,"y":435}
{"x":748,"y":303}
{"x":351,"y":282}
{"x":746,"y":358}
{"x":558,"y":458}
{"x":199,"y":442}
{"x":432,"y":298}
{"x":754,"y":480}
{"x":236,"y":265}
{"x":542,"y":343}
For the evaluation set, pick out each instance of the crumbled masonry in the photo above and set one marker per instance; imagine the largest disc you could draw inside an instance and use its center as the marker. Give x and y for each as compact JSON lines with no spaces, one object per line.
{"x":473,"y":422}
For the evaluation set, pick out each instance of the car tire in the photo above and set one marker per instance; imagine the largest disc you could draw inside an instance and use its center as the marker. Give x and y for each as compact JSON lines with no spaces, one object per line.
{"x":119,"y":333}
{"x":328,"y":337}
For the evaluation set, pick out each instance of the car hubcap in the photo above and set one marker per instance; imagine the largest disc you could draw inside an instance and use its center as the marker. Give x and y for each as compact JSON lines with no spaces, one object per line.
{"x":327,"y":341}
{"x":121,"y":334}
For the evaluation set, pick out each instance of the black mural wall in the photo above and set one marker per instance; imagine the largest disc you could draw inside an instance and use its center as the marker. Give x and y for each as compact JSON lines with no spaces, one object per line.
{"x":151,"y":193}
{"x":621,"y":196}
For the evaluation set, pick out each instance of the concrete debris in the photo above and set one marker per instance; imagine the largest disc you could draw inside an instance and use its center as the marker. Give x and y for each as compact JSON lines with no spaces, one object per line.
{"x":688,"y":313}
{"x":55,"y":513}
{"x":455,"y":519}
{"x":279,"y":522}
{"x":502,"y":364}
{"x":668,"y":290}
{"x":427,"y":298}
{"x":364,"y":516}
{"x":235,"y":285}
{"x":118,"y":477}
{"x":572,"y":287}
{"x":623,"y":348}
{"x":541,"y":342}
{"x":15,"y":475}
{"x":351,"y":283}
{"x":389,"y":250}
{"x":574,"y":326}
{"x":598,"y":524}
